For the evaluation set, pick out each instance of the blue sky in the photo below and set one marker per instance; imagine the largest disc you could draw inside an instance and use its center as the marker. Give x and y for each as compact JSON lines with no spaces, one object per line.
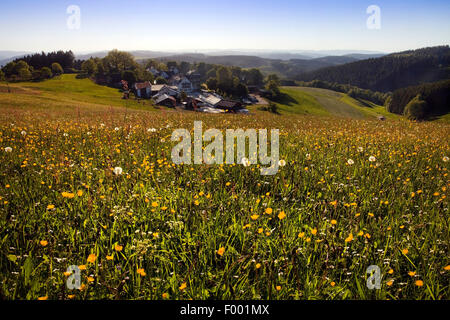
{"x":32,"y":25}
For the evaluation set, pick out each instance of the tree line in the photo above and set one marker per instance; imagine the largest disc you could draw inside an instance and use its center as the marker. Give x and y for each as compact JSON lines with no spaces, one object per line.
{"x":353,"y":91}
{"x":421,"y":102}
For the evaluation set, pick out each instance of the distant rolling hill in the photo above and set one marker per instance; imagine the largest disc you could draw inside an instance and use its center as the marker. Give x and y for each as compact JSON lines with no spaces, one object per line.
{"x":389,"y":72}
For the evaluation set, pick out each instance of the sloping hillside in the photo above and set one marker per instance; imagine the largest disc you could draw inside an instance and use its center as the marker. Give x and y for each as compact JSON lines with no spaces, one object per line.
{"x":390,"y":72}
{"x":315,"y":101}
{"x":64,"y":91}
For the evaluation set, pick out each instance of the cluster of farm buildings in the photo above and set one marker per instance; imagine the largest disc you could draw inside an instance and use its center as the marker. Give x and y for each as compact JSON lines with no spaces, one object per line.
{"x":195,"y":98}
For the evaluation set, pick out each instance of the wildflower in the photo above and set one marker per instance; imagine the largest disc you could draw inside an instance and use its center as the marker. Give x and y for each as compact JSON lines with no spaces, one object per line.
{"x":141,"y":272}
{"x":391,"y":271}
{"x":281,"y":163}
{"x":281,"y":215}
{"x":118,"y":247}
{"x":268,"y":211}
{"x":82,"y":267}
{"x":68,"y":195}
{"x":109,"y":257}
{"x":8,"y":149}
{"x":405,"y":251}
{"x":43,"y":298}
{"x":43,"y":243}
{"x":349,"y":238}
{"x":308,"y":156}
{"x":221,"y":251}
{"x":23,"y":133}
{"x":419,"y":283}
{"x":333,"y":222}
{"x":314,"y":231}
{"x":278,"y":288}
{"x":390,"y":283}
{"x":333,"y":283}
{"x":165,"y":295}
{"x":301,"y":235}
{"x":151,"y":130}
{"x":447,"y":267}
{"x":258,"y":265}
{"x":92,"y":257}
{"x":360,"y":149}
{"x":79,"y":193}
{"x":411,"y":273}
{"x":350,"y":162}
{"x":245,"y":162}
{"x":445,"y":159}
{"x":90,"y":279}
{"x":254,"y":217}
{"x":71,"y":296}
{"x":183,"y":286}
{"x":118,"y":171}
{"x":372,"y":159}
{"x":50,"y":207}
{"x":154,"y":204}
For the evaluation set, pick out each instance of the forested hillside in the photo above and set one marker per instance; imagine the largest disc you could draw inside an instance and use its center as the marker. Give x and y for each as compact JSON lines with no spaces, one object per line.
{"x":436,"y":98}
{"x":390,"y":72}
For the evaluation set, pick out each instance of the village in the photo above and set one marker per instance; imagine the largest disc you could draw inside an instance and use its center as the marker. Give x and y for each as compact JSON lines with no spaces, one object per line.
{"x":185,"y":92}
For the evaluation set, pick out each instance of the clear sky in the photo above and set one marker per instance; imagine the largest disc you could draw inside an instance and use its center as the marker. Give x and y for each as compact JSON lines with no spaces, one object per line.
{"x":33,"y":25}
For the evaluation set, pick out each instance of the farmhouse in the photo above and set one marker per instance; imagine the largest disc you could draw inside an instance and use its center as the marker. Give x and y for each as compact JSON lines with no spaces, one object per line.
{"x":164,"y":89}
{"x":166,"y":100}
{"x":143,"y":89}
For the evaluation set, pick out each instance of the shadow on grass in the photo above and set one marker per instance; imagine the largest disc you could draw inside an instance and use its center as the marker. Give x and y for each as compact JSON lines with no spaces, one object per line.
{"x":285,"y":99}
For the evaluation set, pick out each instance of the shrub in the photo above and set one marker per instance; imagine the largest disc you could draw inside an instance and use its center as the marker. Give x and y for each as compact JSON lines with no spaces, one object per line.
{"x":416,"y":109}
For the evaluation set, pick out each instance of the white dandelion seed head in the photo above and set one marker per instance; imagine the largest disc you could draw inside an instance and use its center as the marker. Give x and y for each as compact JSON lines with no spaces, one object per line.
{"x":8,"y":149}
{"x":245,"y":162}
{"x":118,"y":171}
{"x":282,"y":163}
{"x":23,"y":133}
{"x":350,"y":162}
{"x":372,"y":159}
{"x":445,"y":159}
{"x":116,"y":129}
{"x":308,"y":156}
{"x":360,"y":149}
{"x":151,"y":130}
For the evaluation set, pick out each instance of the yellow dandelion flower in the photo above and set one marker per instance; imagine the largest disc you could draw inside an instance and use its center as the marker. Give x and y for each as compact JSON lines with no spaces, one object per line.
{"x":333,"y":222}
{"x":281,"y":215}
{"x":221,"y":251}
{"x":254,"y":217}
{"x":349,"y":238}
{"x":419,"y":283}
{"x":141,"y":272}
{"x":92,"y":257}
{"x":118,"y":247}
{"x":411,"y":273}
{"x":314,"y":231}
{"x":269,"y":211}
{"x":183,"y":286}
{"x":43,"y":243}
{"x":43,"y":298}
{"x":405,"y":251}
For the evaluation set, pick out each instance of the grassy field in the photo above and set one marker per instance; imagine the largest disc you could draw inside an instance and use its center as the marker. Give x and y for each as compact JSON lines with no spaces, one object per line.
{"x":353,"y":193}
{"x":315,"y":101}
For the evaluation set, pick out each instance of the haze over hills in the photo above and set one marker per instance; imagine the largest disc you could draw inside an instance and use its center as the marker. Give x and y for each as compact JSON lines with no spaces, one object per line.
{"x":302,"y":61}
